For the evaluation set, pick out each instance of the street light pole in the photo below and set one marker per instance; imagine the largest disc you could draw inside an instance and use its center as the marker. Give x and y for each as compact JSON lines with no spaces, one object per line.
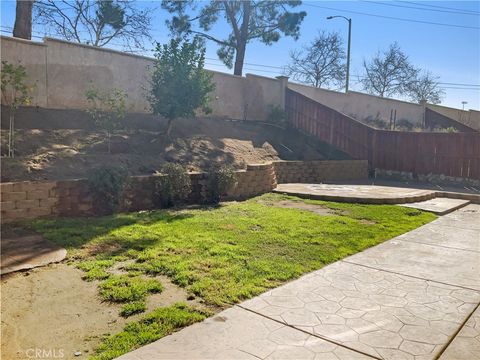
{"x":348,"y":48}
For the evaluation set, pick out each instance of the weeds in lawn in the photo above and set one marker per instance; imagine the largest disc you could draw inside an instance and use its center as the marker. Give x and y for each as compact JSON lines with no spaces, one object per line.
{"x":221,"y":254}
{"x":151,"y":327}
{"x":122,"y":288}
{"x":133,"y":308}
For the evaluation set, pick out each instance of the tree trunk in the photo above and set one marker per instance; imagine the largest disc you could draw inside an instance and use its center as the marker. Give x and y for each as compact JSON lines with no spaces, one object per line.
{"x":239,"y":59}
{"x":23,"y":19}
{"x":169,"y":128}
{"x":11,"y":133}
{"x":242,"y":39}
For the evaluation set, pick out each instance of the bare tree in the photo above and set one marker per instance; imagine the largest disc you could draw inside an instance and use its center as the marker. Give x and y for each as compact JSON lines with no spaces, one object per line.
{"x":95,"y":22}
{"x":23,"y":19}
{"x":321,"y":63}
{"x":248,"y":20}
{"x":425,"y":87}
{"x":388,"y":73}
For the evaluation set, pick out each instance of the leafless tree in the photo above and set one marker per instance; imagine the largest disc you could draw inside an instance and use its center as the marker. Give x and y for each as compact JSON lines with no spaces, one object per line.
{"x":425,"y":87}
{"x":388,"y":73}
{"x":23,"y":19}
{"x":321,"y":63}
{"x":95,"y":22}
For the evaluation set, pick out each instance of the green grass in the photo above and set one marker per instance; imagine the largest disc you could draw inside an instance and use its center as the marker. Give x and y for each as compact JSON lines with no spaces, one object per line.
{"x":122,"y":288}
{"x":151,"y":327}
{"x":133,"y":308}
{"x":221,"y":254}
{"x":232,"y":252}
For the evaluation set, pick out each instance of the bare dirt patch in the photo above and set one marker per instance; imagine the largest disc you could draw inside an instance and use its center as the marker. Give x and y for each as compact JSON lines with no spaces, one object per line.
{"x":53,"y":154}
{"x":291,"y":204}
{"x":53,"y":308}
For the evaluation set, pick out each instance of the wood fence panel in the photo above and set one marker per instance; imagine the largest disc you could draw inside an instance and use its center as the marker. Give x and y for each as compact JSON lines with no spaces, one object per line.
{"x":451,"y":154}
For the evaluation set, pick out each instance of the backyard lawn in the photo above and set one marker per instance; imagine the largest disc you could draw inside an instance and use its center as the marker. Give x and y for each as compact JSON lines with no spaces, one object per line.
{"x":220,"y":255}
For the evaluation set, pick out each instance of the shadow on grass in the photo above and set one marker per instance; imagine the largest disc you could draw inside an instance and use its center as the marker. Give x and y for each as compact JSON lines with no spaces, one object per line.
{"x":97,"y":235}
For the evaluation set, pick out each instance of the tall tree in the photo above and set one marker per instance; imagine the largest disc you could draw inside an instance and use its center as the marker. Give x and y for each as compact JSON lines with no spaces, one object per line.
{"x":250,"y":20}
{"x":23,"y":19}
{"x":388,"y":73}
{"x":425,"y":87}
{"x":95,"y":22}
{"x":321,"y":63}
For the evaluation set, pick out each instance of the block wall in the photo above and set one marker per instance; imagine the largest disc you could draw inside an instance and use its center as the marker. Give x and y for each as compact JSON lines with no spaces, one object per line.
{"x":319,"y":171}
{"x":34,"y":199}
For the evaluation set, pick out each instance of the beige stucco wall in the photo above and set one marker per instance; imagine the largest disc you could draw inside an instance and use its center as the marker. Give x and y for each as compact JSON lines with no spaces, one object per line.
{"x":262,"y":93}
{"x":32,"y":55}
{"x":63,"y":71}
{"x":73,"y":68}
{"x":471,"y":118}
{"x":361,"y":106}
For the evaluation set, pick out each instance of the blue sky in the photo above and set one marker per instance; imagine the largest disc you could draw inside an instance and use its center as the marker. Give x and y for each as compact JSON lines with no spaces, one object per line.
{"x":450,"y":52}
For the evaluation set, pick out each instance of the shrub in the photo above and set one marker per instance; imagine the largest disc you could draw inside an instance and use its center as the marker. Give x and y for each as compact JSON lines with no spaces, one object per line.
{"x":221,"y":179}
{"x":376,"y":122}
{"x":173,"y":186}
{"x":449,"y":129}
{"x":404,"y":124}
{"x":107,"y":185}
{"x":276,"y":115}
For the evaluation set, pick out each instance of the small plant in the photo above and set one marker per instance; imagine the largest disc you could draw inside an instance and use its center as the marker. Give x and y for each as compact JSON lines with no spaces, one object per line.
{"x":107,"y":109}
{"x":449,"y":129}
{"x":376,"y":122}
{"x":107,"y":184}
{"x":173,"y":185}
{"x":276,"y":115}
{"x":15,"y":93}
{"x":404,"y":125}
{"x":222,"y":179}
{"x":179,"y":84}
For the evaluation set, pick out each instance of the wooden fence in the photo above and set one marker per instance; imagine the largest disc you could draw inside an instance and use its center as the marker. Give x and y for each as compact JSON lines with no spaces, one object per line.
{"x":451,"y":154}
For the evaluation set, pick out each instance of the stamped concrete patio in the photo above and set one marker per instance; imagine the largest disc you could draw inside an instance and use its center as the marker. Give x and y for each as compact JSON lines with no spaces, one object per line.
{"x":414,"y":297}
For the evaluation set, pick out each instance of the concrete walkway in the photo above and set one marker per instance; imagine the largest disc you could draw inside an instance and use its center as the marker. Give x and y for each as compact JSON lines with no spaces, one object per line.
{"x":27,"y":252}
{"x":414,"y":297}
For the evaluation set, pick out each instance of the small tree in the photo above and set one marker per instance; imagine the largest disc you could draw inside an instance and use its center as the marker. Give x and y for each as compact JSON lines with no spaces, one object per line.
{"x":388,"y":73}
{"x":179,"y":84}
{"x":108,"y":109}
{"x":321,"y":63}
{"x":15,"y":93}
{"x":425,"y":87}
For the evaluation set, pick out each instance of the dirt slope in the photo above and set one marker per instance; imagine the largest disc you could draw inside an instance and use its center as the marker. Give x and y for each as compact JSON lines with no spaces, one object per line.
{"x":197,"y":143}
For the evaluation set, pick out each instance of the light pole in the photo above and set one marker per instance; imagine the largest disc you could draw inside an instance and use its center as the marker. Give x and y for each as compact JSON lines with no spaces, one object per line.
{"x":463,"y":104}
{"x":349,"y":42}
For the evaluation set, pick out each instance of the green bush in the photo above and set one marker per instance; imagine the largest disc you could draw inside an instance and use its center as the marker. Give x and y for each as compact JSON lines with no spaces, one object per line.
{"x":173,"y":186}
{"x":221,"y":179}
{"x":403,"y":125}
{"x":276,"y":115}
{"x":107,"y":185}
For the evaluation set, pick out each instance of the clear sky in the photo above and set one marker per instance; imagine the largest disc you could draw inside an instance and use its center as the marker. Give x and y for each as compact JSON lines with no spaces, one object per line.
{"x":452,"y":53}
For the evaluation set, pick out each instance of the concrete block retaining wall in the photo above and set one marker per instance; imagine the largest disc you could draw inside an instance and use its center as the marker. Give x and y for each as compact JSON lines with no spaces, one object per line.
{"x":34,"y":199}
{"x":318,"y":171}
